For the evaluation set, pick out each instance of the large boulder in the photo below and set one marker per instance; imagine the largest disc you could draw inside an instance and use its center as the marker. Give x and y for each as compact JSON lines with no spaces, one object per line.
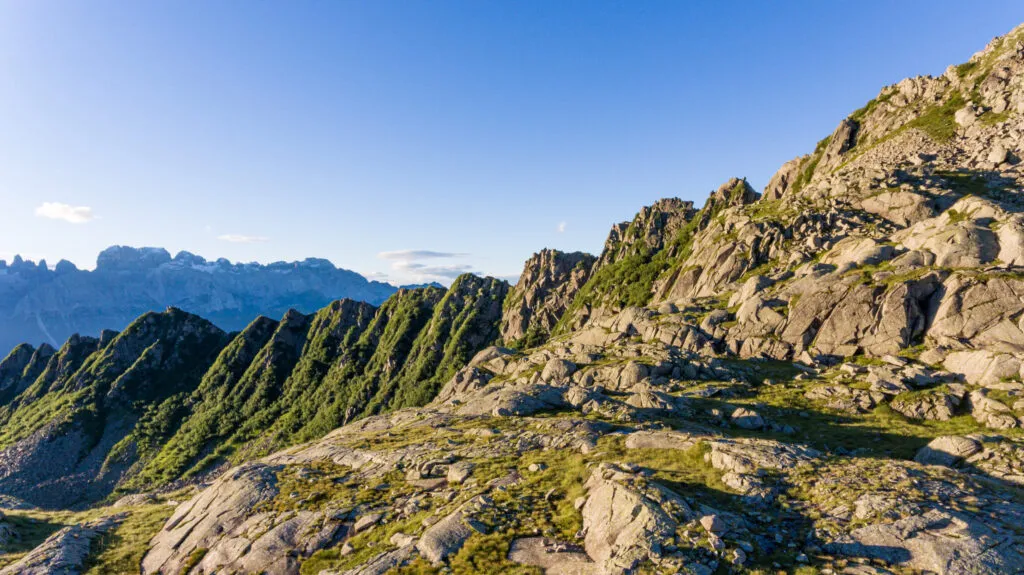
{"x":622,"y":526}
{"x":512,"y":400}
{"x":947,"y":450}
{"x":973,"y":232}
{"x":843,"y":139}
{"x":845,"y":398}
{"x":983,"y":367}
{"x":219,"y":523}
{"x":557,"y":371}
{"x":990,"y":412}
{"x":661,"y":440}
{"x":783,"y":179}
{"x":734,"y":192}
{"x":936,"y":541}
{"x":935,"y":405}
{"x":464,"y":382}
{"x":448,"y":535}
{"x":982,"y":312}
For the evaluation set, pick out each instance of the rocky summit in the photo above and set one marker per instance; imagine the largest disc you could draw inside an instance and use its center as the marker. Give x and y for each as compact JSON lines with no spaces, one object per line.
{"x":826,"y":376}
{"x":43,"y":305}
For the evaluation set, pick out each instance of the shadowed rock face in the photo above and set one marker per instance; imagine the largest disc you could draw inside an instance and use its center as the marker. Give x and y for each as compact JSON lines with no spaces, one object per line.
{"x":39,"y":305}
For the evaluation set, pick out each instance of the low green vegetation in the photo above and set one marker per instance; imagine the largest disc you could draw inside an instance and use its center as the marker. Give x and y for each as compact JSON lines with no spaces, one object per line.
{"x":627,"y":282}
{"x":965,"y":183}
{"x":120,"y":551}
{"x":965,"y":69}
{"x":908,"y":396}
{"x":630,"y":280}
{"x":279,"y":385}
{"x":534,"y":336}
{"x":484,"y":554}
{"x":326,"y":485}
{"x":937,"y":121}
{"x":117,"y":552}
{"x":993,"y":118}
{"x":778,"y":211}
{"x":193,"y":560}
{"x":860,"y":114}
{"x":809,"y":165}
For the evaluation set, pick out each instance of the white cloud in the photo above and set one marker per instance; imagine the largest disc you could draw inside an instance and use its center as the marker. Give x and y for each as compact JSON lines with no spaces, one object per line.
{"x":66,"y":212}
{"x":418,"y":255}
{"x":424,"y":272}
{"x":408,"y":269}
{"x":241,"y":239}
{"x":406,"y":266}
{"x":561,"y":227}
{"x":440,"y":273}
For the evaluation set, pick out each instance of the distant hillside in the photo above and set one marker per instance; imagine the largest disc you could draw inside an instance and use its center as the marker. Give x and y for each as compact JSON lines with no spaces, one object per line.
{"x":172,"y":396}
{"x":41,"y":305}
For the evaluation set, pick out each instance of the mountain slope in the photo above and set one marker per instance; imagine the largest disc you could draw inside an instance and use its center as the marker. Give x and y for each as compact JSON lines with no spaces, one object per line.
{"x":214,"y":406}
{"x":172,"y":396}
{"x":20,"y":368}
{"x":58,"y":433}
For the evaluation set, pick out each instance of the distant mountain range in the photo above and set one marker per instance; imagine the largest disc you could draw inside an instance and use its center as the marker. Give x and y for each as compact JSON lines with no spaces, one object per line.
{"x":41,"y":305}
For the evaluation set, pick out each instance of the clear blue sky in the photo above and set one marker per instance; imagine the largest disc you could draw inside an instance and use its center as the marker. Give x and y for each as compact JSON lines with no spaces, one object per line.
{"x":487,"y":130}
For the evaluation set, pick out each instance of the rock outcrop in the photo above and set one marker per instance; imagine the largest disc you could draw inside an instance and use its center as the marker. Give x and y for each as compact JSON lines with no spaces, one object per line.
{"x":65,"y":551}
{"x":546,"y":288}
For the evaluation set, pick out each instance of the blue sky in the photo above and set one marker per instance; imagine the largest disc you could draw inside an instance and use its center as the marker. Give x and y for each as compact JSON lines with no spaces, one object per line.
{"x":412,"y":140}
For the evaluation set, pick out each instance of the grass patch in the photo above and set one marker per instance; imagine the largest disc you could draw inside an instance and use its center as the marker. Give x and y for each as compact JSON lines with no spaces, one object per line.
{"x":193,"y":560}
{"x":938,"y":121}
{"x":879,"y":433}
{"x":993,"y":118}
{"x":121,"y":549}
{"x":965,"y":183}
{"x":118,"y":551}
{"x":321,"y":484}
{"x":487,"y":555}
{"x":808,"y":167}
